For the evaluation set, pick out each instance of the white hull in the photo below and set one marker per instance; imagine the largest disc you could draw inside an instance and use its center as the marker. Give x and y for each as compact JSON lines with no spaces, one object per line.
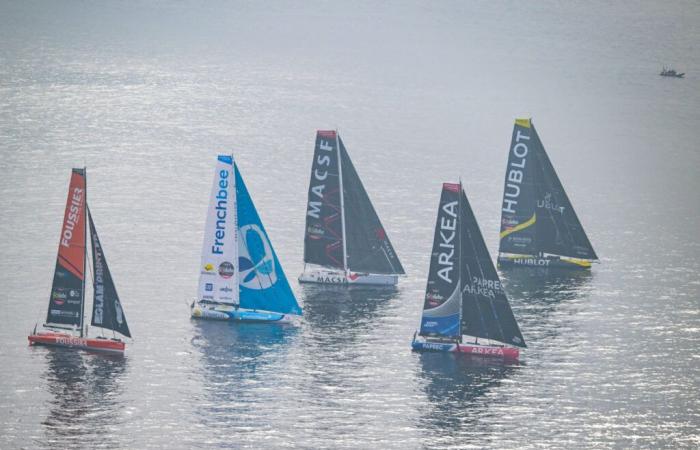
{"x":340,"y":278}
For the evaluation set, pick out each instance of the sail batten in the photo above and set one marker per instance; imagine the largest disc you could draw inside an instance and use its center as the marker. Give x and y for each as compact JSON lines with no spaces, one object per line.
{"x":537,"y":216}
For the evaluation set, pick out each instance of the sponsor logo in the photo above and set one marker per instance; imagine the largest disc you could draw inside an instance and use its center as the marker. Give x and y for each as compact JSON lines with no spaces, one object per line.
{"x":221,"y":212}
{"x":438,"y":347}
{"x":73,"y":293}
{"x":531,"y":261}
{"x":226,"y":270}
{"x":548,"y":203}
{"x":314,"y":231}
{"x":72,"y":341}
{"x":515,"y":174}
{"x":99,"y":285}
{"x":73,"y":211}
{"x":256,"y":263}
{"x":446,"y":246}
{"x":319,"y":175}
{"x":483,"y":286}
{"x":209,"y":267}
{"x":434,"y":299}
{"x":209,"y":287}
{"x":332,"y":280}
{"x":58,"y":297}
{"x":225,"y":289}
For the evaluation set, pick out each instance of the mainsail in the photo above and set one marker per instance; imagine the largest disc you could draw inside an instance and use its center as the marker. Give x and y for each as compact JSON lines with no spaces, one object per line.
{"x":343,"y":231}
{"x":464,"y":295}
{"x":218,"y":279}
{"x":323,"y":240}
{"x":443,"y":300}
{"x":68,"y":289}
{"x":107,"y":311}
{"x":262,"y":282}
{"x":368,"y":246}
{"x":537,"y":216}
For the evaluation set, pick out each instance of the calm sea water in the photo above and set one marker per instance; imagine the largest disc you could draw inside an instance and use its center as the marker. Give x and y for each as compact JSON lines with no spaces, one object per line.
{"x":146,"y":93}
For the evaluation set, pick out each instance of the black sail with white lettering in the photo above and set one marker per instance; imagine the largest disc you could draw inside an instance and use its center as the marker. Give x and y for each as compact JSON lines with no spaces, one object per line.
{"x":106,"y":309}
{"x":558,"y":229}
{"x":442,"y":305}
{"x":323,"y":239}
{"x":540,"y":218}
{"x":368,"y":245}
{"x":519,"y":195}
{"x":486,"y":312}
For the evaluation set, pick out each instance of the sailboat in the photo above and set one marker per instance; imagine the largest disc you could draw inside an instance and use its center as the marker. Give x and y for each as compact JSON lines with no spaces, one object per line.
{"x":465,"y":308}
{"x":64,"y":325}
{"x":539,"y":226}
{"x":345,"y":242}
{"x":240,"y":278}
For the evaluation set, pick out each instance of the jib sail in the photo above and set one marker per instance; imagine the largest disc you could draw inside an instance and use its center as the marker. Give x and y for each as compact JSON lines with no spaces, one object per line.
{"x":368,"y":245}
{"x":443,"y":302}
{"x":68,"y":288}
{"x":323,"y":239}
{"x":107,"y":310}
{"x":536,"y":215}
{"x":262,"y":282}
{"x":218,"y":272}
{"x":486,"y":312}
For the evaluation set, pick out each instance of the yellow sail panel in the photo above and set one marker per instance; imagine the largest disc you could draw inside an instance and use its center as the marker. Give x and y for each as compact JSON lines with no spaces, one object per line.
{"x":525,"y":123}
{"x":520,"y":226}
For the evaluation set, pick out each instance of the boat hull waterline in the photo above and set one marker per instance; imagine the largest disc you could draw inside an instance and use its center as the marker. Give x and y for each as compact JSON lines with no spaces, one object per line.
{"x":491,"y":351}
{"x":340,"y":278}
{"x":230,"y":313}
{"x":54,"y":339}
{"x":534,"y":261}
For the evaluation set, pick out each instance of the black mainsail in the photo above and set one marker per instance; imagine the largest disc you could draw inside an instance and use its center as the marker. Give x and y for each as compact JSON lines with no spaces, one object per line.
{"x":537,"y":217}
{"x":107,"y":311}
{"x":323,"y":240}
{"x":464,"y":295}
{"x":343,"y":230}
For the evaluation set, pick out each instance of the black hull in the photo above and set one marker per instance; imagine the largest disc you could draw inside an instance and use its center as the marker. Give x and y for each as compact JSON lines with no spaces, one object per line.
{"x":553,"y":263}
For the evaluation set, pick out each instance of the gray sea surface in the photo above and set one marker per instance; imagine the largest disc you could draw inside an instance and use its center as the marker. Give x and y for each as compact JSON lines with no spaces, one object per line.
{"x":146,"y":93}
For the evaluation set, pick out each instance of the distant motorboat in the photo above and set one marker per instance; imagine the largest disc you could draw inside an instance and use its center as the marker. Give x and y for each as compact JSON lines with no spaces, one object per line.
{"x":671,"y":73}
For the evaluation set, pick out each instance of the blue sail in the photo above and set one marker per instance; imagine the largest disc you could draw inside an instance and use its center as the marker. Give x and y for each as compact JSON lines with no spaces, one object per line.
{"x":262,"y":282}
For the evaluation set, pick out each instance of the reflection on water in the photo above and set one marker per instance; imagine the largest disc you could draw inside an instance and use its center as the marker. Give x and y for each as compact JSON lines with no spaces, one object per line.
{"x":240,"y":375}
{"x":459,"y":390}
{"x":538,"y":293}
{"x":86,"y":404}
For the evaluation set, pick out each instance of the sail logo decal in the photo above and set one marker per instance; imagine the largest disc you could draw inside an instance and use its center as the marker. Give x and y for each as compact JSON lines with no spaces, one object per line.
{"x":448,"y":229}
{"x":226,"y":270}
{"x":548,"y":203}
{"x":483,"y":286}
{"x":519,"y":227}
{"x":256,"y":262}
{"x":319,"y":176}
{"x":221,"y":212}
{"x":515,"y":175}
{"x":99,"y":283}
{"x":73,"y":216}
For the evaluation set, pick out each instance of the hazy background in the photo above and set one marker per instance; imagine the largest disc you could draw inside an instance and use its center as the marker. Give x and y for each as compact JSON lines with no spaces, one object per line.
{"x":145,"y":94}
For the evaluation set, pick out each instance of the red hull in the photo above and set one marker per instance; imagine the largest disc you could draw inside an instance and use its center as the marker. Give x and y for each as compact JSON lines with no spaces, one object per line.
{"x":486,"y":350}
{"x":70,"y":341}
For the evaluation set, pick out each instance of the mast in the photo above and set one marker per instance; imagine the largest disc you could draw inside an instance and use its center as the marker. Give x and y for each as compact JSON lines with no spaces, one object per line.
{"x":342,"y":204}
{"x":85,"y":213}
{"x":459,"y":255}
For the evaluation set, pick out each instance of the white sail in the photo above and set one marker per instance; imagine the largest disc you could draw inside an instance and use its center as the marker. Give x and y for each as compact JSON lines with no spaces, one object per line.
{"x":218,"y":279}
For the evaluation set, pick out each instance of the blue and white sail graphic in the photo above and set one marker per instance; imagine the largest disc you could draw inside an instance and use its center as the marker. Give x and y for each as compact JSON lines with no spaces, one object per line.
{"x":262,"y":282}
